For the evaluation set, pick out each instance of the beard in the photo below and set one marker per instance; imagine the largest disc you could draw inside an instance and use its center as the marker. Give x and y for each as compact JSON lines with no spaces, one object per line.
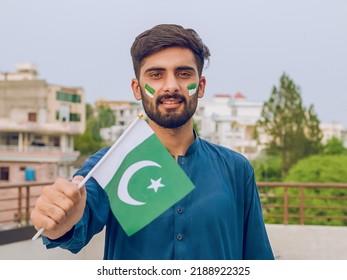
{"x":170,"y":118}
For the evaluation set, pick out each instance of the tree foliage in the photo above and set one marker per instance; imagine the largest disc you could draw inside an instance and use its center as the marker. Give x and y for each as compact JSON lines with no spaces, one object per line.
{"x":106,"y":117}
{"x":293,"y":130}
{"x":334,"y":146}
{"x":267,"y":168}
{"x":91,"y":141}
{"x":321,"y":204}
{"x":319,"y":168}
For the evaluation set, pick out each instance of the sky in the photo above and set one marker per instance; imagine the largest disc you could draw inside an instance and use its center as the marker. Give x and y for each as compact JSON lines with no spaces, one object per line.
{"x":252,"y":42}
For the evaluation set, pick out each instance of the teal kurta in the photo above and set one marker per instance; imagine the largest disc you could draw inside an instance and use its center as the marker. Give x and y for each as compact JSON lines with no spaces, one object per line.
{"x":220,"y":219}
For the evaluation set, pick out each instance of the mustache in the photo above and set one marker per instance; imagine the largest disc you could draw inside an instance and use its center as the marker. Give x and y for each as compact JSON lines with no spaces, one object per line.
{"x":174,"y":95}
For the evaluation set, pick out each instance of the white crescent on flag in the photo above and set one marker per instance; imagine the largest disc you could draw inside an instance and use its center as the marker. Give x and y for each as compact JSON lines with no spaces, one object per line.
{"x":123,"y":192}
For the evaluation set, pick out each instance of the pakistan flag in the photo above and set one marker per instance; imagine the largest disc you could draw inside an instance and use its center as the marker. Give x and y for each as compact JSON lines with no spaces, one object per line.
{"x":140,"y":177}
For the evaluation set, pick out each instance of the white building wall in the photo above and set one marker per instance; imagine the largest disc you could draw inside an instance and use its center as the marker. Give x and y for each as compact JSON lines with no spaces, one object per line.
{"x":229,"y":121}
{"x":125,"y":114}
{"x":225,"y":119}
{"x":331,"y":130}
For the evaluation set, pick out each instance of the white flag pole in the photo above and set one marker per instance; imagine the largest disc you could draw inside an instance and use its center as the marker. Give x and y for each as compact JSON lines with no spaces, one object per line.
{"x":91,"y":172}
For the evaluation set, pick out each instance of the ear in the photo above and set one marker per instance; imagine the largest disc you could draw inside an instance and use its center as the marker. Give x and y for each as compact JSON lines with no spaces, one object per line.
{"x":135,"y":85}
{"x":202,"y":85}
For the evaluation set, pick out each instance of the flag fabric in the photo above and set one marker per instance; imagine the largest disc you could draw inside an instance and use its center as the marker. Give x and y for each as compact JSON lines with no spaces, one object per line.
{"x":140,"y":177}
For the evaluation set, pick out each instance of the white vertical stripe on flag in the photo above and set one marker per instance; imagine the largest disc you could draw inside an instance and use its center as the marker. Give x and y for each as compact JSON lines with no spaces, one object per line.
{"x":133,"y":136}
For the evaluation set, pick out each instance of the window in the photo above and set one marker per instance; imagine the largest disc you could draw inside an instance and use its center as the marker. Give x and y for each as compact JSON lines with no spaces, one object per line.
{"x":74,"y":117}
{"x":74,"y":98}
{"x":32,"y":117}
{"x":54,"y":141}
{"x":4,"y":173}
{"x":12,"y":139}
{"x":234,"y":112}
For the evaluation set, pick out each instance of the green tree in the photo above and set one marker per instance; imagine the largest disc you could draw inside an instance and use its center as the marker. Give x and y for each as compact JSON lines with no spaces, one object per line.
{"x":321,"y":202}
{"x":267,"y":168}
{"x":334,"y":146}
{"x":90,"y":141}
{"x":319,"y":168}
{"x":89,"y":111}
{"x":293,"y":131}
{"x":106,"y":117}
{"x":314,"y":135}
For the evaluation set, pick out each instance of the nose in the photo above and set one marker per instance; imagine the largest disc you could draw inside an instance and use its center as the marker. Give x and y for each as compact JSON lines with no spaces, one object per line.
{"x":171,"y":84}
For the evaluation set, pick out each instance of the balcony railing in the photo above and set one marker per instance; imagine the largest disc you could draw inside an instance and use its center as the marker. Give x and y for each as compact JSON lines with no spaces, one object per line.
{"x":48,"y":148}
{"x":16,"y":203}
{"x":285,"y":203}
{"x":304,"y":203}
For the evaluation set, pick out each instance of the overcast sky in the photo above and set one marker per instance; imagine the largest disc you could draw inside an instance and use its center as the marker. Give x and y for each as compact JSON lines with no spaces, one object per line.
{"x":86,"y":43}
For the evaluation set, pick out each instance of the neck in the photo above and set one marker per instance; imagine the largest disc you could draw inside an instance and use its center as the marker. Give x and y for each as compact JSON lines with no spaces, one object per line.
{"x":176,"y":140}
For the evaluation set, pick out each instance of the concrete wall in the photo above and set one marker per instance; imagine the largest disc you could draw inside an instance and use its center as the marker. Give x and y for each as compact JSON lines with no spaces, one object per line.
{"x":35,"y":250}
{"x":295,"y":242}
{"x":292,"y":242}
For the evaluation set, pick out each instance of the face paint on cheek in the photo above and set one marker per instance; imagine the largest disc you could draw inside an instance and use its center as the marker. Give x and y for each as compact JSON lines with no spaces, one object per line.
{"x":149,"y":90}
{"x":191,"y":89}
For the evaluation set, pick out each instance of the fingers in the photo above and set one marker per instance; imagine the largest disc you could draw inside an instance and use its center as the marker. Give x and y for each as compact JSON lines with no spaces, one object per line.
{"x":59,"y":207}
{"x":77,"y":180}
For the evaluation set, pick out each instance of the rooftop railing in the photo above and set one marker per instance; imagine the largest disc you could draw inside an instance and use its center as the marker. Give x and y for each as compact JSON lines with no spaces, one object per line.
{"x":283,"y":203}
{"x":304,"y":203}
{"x":16,"y":203}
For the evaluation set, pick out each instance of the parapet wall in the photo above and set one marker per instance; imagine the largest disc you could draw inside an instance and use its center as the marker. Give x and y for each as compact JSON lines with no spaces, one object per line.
{"x":289,"y":242}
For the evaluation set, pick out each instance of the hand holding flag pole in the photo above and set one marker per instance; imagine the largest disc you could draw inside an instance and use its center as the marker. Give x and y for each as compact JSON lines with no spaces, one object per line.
{"x":91,"y":172}
{"x":136,"y":159}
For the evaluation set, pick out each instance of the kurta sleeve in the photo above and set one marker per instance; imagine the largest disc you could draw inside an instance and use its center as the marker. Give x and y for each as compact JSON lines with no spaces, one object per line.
{"x":95,"y":213}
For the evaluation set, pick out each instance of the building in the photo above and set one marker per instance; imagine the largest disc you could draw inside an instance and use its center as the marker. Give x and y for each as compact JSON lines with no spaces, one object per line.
{"x":331,"y":130}
{"x":125,"y":113}
{"x":227,"y":120}
{"x":230,"y":120}
{"x":37,"y":123}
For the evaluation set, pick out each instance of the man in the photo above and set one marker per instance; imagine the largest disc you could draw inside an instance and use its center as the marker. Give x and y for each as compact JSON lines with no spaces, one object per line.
{"x":220,"y":219}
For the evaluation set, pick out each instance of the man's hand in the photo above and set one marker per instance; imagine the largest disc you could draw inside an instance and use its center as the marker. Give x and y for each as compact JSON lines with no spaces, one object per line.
{"x":59,"y":207}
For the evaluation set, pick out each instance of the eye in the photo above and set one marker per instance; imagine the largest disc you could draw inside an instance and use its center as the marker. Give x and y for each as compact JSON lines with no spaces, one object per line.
{"x":184,"y":74}
{"x":155,"y":75}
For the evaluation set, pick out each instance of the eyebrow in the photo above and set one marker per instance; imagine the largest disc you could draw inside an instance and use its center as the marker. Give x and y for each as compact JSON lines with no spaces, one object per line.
{"x":180,"y":68}
{"x":187,"y":68}
{"x":154,"y":69}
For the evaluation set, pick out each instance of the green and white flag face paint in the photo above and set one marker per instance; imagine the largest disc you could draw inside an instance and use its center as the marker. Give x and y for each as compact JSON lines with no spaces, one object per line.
{"x":191,"y":89}
{"x":149,"y":90}
{"x":141,"y":178}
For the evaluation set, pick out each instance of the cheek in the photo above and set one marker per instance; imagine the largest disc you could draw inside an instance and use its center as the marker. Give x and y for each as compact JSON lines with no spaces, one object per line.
{"x":192,"y":89}
{"x":149,"y":90}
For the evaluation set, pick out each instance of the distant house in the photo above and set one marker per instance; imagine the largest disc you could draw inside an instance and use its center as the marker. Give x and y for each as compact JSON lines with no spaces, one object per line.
{"x":230,"y":120}
{"x":37,"y":123}
{"x":226,"y":119}
{"x":125,"y":113}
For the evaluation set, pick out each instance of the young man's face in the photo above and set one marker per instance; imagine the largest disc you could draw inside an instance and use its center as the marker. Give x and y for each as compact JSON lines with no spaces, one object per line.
{"x":169,"y":86}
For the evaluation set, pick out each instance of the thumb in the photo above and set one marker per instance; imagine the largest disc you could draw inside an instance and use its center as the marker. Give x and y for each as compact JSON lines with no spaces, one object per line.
{"x":77,"y":180}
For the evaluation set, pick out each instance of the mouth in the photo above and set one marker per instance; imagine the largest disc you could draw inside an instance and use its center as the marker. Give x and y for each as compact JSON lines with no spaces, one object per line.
{"x":171,"y":103}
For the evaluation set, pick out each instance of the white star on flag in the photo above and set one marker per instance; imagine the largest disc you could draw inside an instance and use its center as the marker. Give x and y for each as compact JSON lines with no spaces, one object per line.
{"x":155,"y":185}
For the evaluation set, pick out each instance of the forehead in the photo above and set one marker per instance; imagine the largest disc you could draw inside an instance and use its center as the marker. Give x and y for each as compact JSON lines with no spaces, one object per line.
{"x":170,"y":58}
